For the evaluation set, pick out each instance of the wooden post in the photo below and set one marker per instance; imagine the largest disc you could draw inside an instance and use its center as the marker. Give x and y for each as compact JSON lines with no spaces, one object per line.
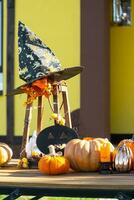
{"x":57,"y":88}
{"x":66,"y":106}
{"x":56,"y":99}
{"x":10,"y":69}
{"x":39,"y":115}
{"x":28,"y":115}
{"x":95,"y":56}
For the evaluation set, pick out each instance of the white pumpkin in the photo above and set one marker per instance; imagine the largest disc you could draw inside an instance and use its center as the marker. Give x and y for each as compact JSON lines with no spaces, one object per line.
{"x":5,"y":153}
{"x":84,"y":155}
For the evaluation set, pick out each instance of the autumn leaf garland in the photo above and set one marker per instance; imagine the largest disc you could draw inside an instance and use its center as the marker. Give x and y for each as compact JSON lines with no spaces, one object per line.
{"x":37,"y":88}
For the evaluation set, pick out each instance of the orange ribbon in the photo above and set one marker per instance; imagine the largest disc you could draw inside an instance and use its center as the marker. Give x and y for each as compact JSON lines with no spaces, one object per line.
{"x":37,"y":88}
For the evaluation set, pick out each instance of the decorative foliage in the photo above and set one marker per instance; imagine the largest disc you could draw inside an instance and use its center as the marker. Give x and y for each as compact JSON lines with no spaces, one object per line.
{"x":36,"y":89}
{"x":23,"y":163}
{"x":58,"y":118}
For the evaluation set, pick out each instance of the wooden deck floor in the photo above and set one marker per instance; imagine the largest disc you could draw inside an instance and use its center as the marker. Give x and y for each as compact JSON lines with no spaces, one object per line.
{"x":11,"y":176}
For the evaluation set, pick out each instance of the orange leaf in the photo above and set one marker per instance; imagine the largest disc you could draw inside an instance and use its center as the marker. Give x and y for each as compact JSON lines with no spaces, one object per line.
{"x":40,"y":83}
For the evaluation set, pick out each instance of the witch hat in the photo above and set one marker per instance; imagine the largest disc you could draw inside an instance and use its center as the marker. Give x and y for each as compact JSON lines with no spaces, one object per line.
{"x":37,"y":61}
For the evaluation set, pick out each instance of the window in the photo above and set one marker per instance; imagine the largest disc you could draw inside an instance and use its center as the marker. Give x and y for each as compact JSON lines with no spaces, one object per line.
{"x":122,"y":12}
{"x":1,"y":67}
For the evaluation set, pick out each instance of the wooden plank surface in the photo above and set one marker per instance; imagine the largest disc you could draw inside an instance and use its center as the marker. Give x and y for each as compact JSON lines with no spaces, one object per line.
{"x":12,"y":176}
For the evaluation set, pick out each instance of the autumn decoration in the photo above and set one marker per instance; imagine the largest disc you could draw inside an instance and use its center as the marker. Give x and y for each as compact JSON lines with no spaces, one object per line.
{"x":6,"y":154}
{"x":23,"y":163}
{"x":127,"y":142}
{"x":41,"y":87}
{"x":123,"y":158}
{"x":53,"y":163}
{"x":85,"y":155}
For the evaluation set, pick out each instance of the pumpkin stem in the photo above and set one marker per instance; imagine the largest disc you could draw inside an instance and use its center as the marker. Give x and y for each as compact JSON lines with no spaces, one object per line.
{"x":52,"y":150}
{"x":133,"y":137}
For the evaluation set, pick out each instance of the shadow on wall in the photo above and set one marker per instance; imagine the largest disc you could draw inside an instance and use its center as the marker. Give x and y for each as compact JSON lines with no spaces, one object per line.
{"x":75,"y":117}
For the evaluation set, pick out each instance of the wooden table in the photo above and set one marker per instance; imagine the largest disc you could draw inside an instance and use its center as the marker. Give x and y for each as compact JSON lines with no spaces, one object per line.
{"x":18,"y":182}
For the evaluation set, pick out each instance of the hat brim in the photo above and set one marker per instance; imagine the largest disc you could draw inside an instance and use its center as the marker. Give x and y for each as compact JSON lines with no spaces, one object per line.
{"x":64,"y":74}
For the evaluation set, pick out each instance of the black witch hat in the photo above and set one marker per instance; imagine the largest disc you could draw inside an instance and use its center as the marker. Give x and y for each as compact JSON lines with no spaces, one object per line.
{"x":37,"y":61}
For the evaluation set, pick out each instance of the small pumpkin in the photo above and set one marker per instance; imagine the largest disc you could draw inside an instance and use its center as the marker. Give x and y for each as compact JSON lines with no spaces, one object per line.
{"x":123,"y":159}
{"x":53,"y":163}
{"x":84,"y":155}
{"x":5,"y":154}
{"x":127,"y":142}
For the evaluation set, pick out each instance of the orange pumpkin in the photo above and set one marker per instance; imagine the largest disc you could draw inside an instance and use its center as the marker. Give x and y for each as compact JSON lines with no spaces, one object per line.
{"x":53,"y":164}
{"x":88,"y":138}
{"x":84,"y":155}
